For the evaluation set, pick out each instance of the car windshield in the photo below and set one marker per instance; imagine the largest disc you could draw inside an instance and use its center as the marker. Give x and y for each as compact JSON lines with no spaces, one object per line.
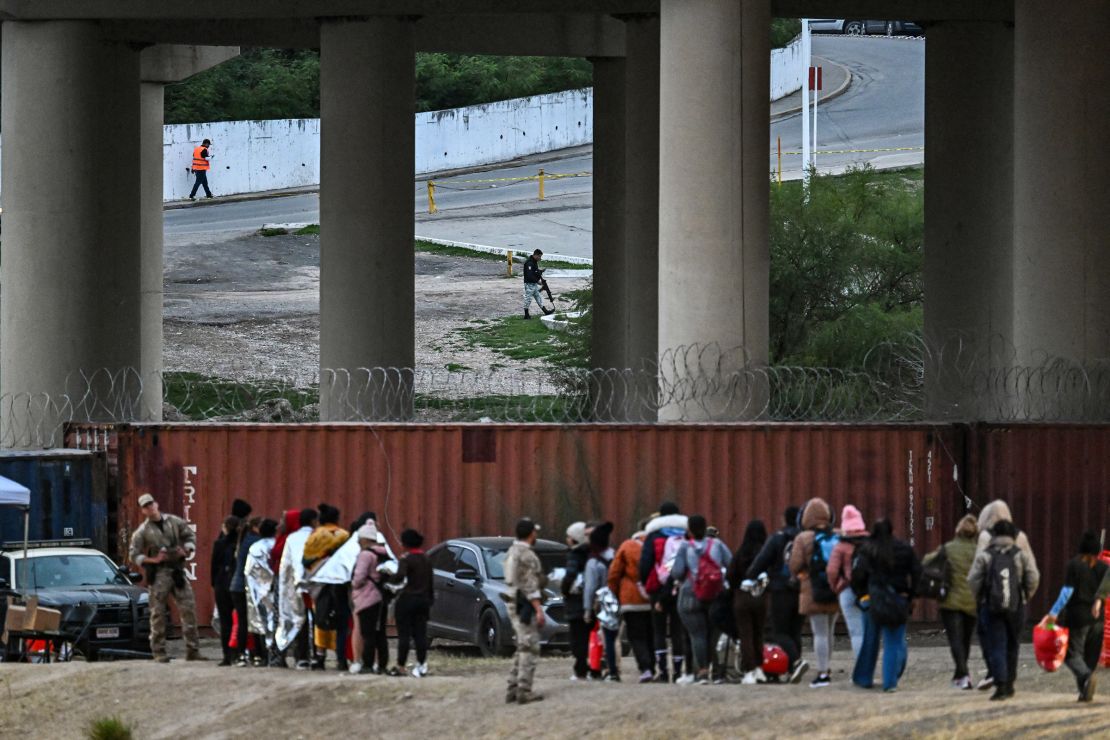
{"x":495,"y":562}
{"x":66,"y":571}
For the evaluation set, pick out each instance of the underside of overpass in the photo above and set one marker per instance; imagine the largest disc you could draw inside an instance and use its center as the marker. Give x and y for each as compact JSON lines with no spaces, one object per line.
{"x":1017,"y":254}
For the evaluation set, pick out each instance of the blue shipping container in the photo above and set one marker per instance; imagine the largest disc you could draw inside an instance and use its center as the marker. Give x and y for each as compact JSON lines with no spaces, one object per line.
{"x":68,"y":495}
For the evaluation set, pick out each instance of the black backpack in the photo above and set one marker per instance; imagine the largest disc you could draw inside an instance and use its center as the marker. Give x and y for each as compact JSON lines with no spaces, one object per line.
{"x":818,"y":568}
{"x":1003,"y":587}
{"x":936,"y":577}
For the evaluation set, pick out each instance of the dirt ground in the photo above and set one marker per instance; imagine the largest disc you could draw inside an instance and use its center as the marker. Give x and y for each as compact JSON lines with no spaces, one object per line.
{"x":463,"y":697}
{"x":248,"y":307}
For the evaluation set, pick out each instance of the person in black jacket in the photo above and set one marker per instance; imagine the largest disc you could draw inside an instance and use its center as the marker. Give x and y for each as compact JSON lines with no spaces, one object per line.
{"x":578,"y":621}
{"x":785,"y":623}
{"x":414,"y":603}
{"x":1080,"y":608}
{"x":223,"y":567}
{"x":533,"y":279}
{"x":885,"y":576}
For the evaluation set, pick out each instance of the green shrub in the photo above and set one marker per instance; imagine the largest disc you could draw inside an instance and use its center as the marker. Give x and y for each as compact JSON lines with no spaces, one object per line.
{"x":110,"y":728}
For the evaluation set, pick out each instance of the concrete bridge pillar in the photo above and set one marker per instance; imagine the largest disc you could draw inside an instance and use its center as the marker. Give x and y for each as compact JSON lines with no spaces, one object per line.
{"x":641,"y":231}
{"x":152,"y":98}
{"x":714,"y":257}
{"x":1061,"y":179}
{"x":610,"y":276}
{"x":1061,"y":190}
{"x":70,"y":301}
{"x":367,"y":145}
{"x":969,"y":236}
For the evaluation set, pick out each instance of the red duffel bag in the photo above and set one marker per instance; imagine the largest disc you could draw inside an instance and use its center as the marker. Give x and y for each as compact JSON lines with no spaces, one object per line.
{"x":1050,"y":645}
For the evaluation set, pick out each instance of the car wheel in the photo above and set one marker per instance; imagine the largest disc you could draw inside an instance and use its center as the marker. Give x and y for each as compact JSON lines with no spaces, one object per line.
{"x":490,"y":640}
{"x":854,"y":28}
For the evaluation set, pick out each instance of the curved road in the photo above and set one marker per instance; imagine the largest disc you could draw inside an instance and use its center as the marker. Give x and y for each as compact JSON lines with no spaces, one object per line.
{"x":884,"y":108}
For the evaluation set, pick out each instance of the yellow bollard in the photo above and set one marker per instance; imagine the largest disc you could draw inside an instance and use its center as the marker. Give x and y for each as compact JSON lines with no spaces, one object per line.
{"x":510,"y":263}
{"x":432,"y":197}
{"x":780,"y":161}
{"x":541,"y":184}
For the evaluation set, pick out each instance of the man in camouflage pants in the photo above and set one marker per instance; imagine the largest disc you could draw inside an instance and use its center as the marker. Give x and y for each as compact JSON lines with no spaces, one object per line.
{"x":524,"y":575}
{"x":160,"y":546}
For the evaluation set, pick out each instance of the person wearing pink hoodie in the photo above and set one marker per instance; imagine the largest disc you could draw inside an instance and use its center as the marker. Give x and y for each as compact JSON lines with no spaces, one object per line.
{"x":852,"y":532}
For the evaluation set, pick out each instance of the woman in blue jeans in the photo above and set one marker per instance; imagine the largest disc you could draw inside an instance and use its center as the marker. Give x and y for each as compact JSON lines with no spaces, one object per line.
{"x":885,"y":576}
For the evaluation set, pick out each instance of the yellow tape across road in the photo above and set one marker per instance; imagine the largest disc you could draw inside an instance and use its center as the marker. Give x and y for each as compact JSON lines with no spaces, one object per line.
{"x":547,"y":176}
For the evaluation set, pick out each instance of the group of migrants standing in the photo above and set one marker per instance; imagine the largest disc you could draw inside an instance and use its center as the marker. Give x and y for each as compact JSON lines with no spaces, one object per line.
{"x":687,"y":601}
{"x":301,"y":587}
{"x":288,"y":592}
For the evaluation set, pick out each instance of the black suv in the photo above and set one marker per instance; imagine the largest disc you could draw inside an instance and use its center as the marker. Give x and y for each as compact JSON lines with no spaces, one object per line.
{"x":103,"y":613}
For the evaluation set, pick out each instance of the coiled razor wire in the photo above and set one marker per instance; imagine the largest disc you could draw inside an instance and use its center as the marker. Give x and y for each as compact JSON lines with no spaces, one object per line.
{"x":695,"y":383}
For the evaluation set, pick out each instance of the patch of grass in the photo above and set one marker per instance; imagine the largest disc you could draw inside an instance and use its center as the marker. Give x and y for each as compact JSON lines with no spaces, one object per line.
{"x":202,"y":397}
{"x":109,"y":728}
{"x":560,"y":265}
{"x":456,"y":367}
{"x":429,"y":248}
{"x":514,"y":337}
{"x":507,"y":408}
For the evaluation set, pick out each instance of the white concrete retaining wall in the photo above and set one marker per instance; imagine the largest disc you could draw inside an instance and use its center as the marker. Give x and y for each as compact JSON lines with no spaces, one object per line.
{"x":787,"y":68}
{"x":498,"y":132}
{"x":253,"y":156}
{"x":248,"y":156}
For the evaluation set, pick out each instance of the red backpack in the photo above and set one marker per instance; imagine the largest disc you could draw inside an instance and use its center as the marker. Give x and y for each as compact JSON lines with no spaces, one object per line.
{"x":709,"y":583}
{"x":666,"y":548}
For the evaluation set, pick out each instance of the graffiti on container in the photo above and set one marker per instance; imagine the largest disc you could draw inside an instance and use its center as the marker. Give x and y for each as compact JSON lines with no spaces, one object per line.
{"x":190,"y":496}
{"x":910,"y":472}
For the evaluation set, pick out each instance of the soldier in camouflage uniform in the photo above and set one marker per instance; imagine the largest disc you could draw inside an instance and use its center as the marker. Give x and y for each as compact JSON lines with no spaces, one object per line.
{"x":160,"y":546}
{"x":524,"y":575}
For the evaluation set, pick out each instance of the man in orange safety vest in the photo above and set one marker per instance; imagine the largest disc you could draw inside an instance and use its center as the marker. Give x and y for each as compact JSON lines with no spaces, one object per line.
{"x":200,"y":169}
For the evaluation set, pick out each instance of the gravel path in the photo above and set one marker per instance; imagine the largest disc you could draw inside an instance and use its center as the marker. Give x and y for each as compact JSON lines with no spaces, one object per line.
{"x":463,"y":697}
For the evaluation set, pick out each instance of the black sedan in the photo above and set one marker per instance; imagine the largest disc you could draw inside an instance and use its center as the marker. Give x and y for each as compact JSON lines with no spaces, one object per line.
{"x":102,"y":611}
{"x":469,"y":583}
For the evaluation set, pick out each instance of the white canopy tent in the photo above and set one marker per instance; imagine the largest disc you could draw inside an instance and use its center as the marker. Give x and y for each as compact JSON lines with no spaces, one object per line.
{"x":18,"y":495}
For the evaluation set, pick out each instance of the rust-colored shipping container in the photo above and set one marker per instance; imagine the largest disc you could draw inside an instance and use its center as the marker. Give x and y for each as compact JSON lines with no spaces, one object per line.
{"x":1056,"y":480}
{"x":472,"y":479}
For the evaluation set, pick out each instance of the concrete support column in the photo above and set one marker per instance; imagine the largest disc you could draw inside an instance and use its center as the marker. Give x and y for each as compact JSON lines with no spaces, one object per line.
{"x":1061,"y":179}
{"x":607,"y":347}
{"x":969,"y":180}
{"x":1061,"y":191}
{"x":641,"y":167}
{"x":70,"y":298}
{"x":367,"y":274}
{"x":151,"y":229}
{"x":713,"y":206}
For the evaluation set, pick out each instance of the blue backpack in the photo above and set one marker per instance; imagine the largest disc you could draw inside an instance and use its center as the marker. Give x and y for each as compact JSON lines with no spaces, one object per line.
{"x":823,"y":544}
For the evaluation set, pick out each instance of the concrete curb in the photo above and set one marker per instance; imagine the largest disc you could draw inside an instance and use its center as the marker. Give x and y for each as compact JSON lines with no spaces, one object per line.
{"x":518,"y":255}
{"x":782,"y":116}
{"x":504,"y":252}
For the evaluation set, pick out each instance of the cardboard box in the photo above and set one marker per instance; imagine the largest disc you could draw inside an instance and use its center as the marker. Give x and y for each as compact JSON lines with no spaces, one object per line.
{"x":14,"y":620}
{"x":31,"y":617}
{"x":43,"y":619}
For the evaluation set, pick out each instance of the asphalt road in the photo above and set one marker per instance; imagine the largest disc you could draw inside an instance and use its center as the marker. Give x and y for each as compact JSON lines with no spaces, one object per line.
{"x":883,"y":109}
